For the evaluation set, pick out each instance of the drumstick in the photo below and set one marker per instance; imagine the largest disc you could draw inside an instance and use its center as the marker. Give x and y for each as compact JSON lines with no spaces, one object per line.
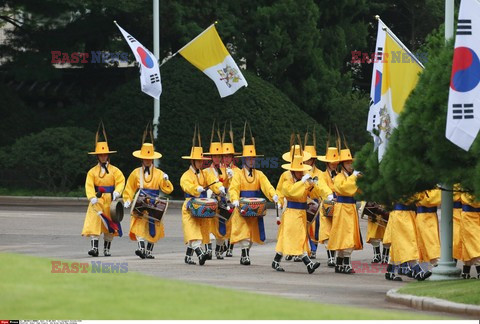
{"x":216,"y":181}
{"x":278,"y":217}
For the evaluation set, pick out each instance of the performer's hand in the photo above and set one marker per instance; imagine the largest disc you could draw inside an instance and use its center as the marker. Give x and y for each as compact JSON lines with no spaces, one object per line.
{"x":275,"y":198}
{"x":127,"y":204}
{"x":356,"y":173}
{"x":330,"y":197}
{"x":235,"y":203}
{"x":209,"y":193}
{"x":279,"y":207}
{"x":115,"y":195}
{"x":94,"y":200}
{"x":222,"y":190}
{"x":229,"y":173}
{"x":305,"y":177}
{"x":200,"y":189}
{"x":165,"y":177}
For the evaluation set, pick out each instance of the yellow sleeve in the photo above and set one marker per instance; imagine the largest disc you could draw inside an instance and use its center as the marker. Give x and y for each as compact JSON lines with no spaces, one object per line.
{"x":211,"y":178}
{"x":345,"y":186}
{"x":90,"y":185}
{"x":188,"y":186}
{"x":280,"y":187}
{"x":294,"y":190}
{"x":165,"y":185}
{"x":433,"y":197}
{"x":266,"y":186}
{"x":321,"y":190}
{"x":131,"y":187}
{"x":234,"y":189}
{"x":119,"y":181}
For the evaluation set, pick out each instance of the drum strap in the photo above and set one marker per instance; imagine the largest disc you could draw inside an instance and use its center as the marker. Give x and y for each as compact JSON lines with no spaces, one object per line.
{"x":222,"y":228}
{"x":317,"y":227}
{"x":261,"y":228}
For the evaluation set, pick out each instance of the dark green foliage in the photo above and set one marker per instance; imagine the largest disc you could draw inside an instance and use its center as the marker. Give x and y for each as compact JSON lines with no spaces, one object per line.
{"x":55,"y":159}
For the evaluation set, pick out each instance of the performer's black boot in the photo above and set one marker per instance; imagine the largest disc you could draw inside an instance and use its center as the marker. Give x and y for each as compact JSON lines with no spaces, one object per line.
{"x":188,"y":256}
{"x":311,"y":266}
{"x":94,"y":248}
{"x":218,"y":252}
{"x":245,"y":259}
{"x":386,"y":255}
{"x":288,"y":257}
{"x":148,"y":252}
{"x":229,"y":253}
{"x":339,"y":265}
{"x":466,"y":272}
{"x":106,"y":248}
{"x":202,"y":256}
{"x":141,"y":249}
{"x":347,"y":267}
{"x":390,"y":274}
{"x":419,"y":273}
{"x":208,"y":251}
{"x":276,"y":262}
{"x":377,"y":257}
{"x":330,"y":258}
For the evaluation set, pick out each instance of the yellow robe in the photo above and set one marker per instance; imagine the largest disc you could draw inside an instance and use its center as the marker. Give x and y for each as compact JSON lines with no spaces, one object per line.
{"x":139,"y":226}
{"x":93,"y":225}
{"x":195,"y":228}
{"x":315,"y":226}
{"x":375,"y":231}
{"x":470,"y":228}
{"x":281,"y":198}
{"x":214,"y":222}
{"x":251,"y":228}
{"x":292,"y":235}
{"x":457,"y":219}
{"x":345,"y":231}
{"x":325,"y":222}
{"x":428,"y":236}
{"x":401,"y":234}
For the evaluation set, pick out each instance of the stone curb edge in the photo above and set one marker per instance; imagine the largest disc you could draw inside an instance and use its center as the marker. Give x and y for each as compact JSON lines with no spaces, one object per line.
{"x":68,"y":201}
{"x":432,"y":304}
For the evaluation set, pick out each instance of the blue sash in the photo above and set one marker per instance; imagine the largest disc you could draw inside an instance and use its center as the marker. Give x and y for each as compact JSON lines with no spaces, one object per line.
{"x":107,"y":189}
{"x":296,"y":205}
{"x":423,"y":209}
{"x":250,"y":194}
{"x":202,"y":195}
{"x":457,"y":204}
{"x":468,"y":208}
{"x":345,"y":200}
{"x":403,"y":207}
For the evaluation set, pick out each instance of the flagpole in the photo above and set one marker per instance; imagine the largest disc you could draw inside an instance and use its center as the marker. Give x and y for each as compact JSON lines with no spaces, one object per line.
{"x":405,"y":48}
{"x":446,"y":269}
{"x":156,"y":52}
{"x":188,"y":44}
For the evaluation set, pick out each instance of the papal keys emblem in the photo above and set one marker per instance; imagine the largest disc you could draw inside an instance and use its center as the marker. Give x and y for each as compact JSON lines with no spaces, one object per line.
{"x":229,"y":74}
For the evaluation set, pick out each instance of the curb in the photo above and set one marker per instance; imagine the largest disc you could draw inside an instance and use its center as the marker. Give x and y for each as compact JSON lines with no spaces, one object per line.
{"x":432,"y":304}
{"x":70,"y":201}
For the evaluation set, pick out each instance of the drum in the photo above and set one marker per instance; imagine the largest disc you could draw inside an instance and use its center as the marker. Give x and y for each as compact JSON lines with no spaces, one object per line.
{"x":373,"y":211}
{"x":253,"y":207}
{"x":312,"y":210}
{"x":147,"y":205}
{"x":116,"y":210}
{"x":328,"y":207}
{"x":225,"y":210}
{"x":202,"y":207}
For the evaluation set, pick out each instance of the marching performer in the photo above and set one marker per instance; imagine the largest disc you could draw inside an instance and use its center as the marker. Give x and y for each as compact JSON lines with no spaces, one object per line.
{"x":331,"y":159}
{"x":375,"y":230}
{"x":345,"y":232}
{"x":104,"y":183}
{"x":230,"y":170}
{"x":248,"y":183}
{"x":469,"y":229}
{"x":427,"y":225}
{"x":151,"y":181}
{"x":195,"y":182}
{"x":292,"y":236}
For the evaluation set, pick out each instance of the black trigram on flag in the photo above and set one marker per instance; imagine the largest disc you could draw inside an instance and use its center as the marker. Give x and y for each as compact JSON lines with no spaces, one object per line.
{"x":379,"y":54}
{"x":154,"y":78}
{"x":131,"y":39}
{"x":462,"y":111}
{"x":464,"y":27}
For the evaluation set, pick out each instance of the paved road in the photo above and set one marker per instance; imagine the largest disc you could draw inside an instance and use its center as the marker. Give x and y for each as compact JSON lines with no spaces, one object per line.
{"x":54,"y":232}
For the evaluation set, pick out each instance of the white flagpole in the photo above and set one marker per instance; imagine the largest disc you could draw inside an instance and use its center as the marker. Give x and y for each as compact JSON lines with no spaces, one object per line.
{"x":156,"y":52}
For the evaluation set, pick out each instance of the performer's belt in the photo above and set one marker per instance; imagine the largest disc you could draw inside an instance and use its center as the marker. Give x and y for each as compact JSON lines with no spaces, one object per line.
{"x":457,"y":204}
{"x":152,"y":192}
{"x":202,"y":195}
{"x":468,"y":208}
{"x":106,"y":189}
{"x":250,"y":193}
{"x":403,"y":207}
{"x":345,"y":200}
{"x":423,"y":209}
{"x":296,"y":205}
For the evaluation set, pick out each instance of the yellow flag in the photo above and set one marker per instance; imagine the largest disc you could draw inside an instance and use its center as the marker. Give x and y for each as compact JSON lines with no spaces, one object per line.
{"x":208,"y":54}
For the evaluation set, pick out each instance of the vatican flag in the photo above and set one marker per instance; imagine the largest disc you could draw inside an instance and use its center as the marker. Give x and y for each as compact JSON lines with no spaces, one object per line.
{"x":208,"y":54}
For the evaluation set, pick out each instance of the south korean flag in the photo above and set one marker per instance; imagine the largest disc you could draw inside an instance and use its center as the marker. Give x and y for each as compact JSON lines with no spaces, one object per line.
{"x":463,"y":116}
{"x":149,"y":71}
